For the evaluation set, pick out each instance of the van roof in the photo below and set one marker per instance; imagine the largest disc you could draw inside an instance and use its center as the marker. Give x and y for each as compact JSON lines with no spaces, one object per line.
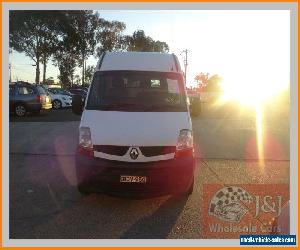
{"x":139,"y":61}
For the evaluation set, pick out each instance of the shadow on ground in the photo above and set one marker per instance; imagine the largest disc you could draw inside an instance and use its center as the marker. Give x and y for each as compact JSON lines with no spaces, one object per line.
{"x":159,"y":224}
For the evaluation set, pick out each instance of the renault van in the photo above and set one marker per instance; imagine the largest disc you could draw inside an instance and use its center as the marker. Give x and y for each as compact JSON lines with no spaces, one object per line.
{"x":135,"y":134}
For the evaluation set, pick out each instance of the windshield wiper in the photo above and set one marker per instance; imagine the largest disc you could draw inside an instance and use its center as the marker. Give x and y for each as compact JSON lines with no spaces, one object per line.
{"x":121,"y":106}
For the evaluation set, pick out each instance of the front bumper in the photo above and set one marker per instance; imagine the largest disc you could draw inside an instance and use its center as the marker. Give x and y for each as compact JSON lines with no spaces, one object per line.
{"x":163,"y":177}
{"x":47,"y":105}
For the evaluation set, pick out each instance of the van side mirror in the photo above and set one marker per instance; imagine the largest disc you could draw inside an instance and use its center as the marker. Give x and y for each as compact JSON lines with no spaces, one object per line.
{"x":77,"y":104}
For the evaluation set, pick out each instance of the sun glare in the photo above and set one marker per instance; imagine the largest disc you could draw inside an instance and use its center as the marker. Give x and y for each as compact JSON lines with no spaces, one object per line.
{"x":260,"y":136}
{"x":252,"y":92}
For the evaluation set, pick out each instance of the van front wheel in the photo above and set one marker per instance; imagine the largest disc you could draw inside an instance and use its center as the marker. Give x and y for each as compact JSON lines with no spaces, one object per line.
{"x":191,"y":188}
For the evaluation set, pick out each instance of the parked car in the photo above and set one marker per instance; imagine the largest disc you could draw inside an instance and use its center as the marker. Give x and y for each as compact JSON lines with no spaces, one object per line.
{"x":78,"y":94}
{"x":81,"y":92}
{"x":60,"y":98}
{"x":135,"y":134}
{"x":25,"y":97}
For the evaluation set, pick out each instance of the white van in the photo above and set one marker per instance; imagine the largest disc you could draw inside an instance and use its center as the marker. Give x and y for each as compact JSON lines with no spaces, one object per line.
{"x":135,"y":134}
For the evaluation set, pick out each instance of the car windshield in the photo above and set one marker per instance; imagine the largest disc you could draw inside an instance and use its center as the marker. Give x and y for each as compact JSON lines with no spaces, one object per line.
{"x":137,"y":91}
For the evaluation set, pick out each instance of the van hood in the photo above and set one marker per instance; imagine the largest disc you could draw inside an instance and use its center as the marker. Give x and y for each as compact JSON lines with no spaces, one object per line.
{"x":135,"y":128}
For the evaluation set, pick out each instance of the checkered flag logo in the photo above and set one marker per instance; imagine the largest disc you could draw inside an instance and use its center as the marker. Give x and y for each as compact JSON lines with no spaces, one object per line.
{"x":229,"y":203}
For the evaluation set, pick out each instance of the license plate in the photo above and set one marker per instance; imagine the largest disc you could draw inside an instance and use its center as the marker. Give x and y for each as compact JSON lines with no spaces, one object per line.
{"x":130,"y":178}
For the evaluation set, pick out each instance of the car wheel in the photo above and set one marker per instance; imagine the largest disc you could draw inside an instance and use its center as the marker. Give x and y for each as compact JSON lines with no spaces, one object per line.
{"x":56,"y":104}
{"x":191,"y":188}
{"x":20,"y":110}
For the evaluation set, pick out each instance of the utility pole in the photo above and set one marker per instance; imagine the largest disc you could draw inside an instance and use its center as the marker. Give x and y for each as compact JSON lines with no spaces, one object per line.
{"x":185,"y":62}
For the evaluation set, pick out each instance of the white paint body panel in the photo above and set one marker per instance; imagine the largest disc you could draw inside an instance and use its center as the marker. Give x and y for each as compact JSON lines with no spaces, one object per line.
{"x":135,"y":128}
{"x":66,"y":101}
{"x":137,"y":61}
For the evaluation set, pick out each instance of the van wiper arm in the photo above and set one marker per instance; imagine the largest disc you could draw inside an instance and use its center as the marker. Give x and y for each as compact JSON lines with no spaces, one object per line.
{"x":120,"y":106}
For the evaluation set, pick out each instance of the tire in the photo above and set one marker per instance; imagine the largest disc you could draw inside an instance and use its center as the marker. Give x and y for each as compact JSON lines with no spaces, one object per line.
{"x":20,"y":110}
{"x":191,"y":188}
{"x":56,"y":104}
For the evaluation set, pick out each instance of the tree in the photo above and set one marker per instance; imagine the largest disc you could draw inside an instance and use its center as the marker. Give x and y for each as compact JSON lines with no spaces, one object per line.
{"x":140,"y":42}
{"x":77,"y":80}
{"x":30,"y":31}
{"x":89,"y":71}
{"x":213,"y":83}
{"x":202,"y":79}
{"x":85,"y":25}
{"x":66,"y":57}
{"x":69,"y":37}
{"x":48,"y":48}
{"x":208,"y":83}
{"x":67,"y":52}
{"x":65,"y":60}
{"x":109,"y":36}
{"x":159,"y":46}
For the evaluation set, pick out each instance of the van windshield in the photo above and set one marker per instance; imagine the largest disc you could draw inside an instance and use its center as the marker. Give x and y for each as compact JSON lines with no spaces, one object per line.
{"x":137,"y":91}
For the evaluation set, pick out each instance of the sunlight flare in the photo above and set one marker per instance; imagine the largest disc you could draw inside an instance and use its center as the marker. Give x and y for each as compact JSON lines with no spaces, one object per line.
{"x":260,"y":136}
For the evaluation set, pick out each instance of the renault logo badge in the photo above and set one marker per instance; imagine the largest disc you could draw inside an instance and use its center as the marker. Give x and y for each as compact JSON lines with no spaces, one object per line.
{"x":134,"y":153}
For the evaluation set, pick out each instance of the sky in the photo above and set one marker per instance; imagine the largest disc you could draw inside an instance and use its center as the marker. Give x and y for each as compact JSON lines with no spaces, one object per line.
{"x":241,"y":46}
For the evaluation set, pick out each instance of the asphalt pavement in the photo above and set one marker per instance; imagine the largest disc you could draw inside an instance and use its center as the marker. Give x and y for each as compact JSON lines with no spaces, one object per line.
{"x":44,"y":201}
{"x":52,"y":115}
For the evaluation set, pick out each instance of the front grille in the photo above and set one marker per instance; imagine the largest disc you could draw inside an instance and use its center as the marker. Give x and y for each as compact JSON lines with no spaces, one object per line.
{"x":157,"y":150}
{"x":146,"y":151}
{"x":111,"y":150}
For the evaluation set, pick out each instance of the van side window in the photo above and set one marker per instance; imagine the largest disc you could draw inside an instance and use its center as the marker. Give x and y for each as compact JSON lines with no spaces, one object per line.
{"x":173,"y":86}
{"x":155,"y":83}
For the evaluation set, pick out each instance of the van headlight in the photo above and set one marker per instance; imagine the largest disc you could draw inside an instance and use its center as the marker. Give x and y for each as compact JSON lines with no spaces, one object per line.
{"x":85,"y":142}
{"x":85,"y":139}
{"x":185,"y":146}
{"x":185,"y":139}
